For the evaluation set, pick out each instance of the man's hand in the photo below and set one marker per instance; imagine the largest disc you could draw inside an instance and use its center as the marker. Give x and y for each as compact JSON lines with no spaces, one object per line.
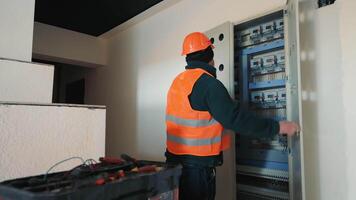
{"x":288,"y":128}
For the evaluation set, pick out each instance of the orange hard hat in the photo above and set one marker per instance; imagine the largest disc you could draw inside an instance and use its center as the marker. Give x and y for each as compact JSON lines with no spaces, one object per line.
{"x":195,"y":42}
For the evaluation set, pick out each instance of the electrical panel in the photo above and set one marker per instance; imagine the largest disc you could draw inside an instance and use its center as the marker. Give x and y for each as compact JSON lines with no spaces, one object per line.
{"x":262,"y":162}
{"x":260,"y":33}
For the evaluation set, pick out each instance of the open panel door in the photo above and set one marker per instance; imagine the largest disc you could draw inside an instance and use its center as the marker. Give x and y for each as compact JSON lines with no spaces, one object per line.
{"x":222,"y":38}
{"x":292,"y":49}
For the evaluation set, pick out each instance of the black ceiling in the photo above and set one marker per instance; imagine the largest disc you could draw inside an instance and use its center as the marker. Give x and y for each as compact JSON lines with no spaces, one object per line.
{"x":93,"y":17}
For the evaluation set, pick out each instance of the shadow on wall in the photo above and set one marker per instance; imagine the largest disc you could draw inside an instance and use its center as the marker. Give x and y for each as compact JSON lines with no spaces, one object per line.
{"x":115,"y":86}
{"x":134,"y":86}
{"x":153,"y":84}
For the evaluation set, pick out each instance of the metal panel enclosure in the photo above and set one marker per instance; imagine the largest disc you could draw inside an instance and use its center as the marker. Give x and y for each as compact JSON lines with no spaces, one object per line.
{"x":294,"y":102}
{"x":262,"y":162}
{"x":222,"y":38}
{"x":268,"y":81}
{"x":263,"y":46}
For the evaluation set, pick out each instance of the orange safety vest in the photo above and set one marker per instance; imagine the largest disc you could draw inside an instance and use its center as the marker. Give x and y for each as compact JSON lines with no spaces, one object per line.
{"x":189,"y":131}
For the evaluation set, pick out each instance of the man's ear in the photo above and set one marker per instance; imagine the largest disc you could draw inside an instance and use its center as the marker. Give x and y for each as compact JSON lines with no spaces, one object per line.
{"x":212,"y":63}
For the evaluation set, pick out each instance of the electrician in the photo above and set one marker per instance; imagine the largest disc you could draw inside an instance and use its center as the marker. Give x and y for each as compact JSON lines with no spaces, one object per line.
{"x":198,"y":109}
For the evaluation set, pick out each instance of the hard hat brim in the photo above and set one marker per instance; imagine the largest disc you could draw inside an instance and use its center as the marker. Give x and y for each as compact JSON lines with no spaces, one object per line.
{"x":185,"y":53}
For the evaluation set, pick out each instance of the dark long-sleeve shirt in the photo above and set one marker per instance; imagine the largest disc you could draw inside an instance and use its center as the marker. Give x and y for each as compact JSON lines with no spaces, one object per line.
{"x":209,"y":94}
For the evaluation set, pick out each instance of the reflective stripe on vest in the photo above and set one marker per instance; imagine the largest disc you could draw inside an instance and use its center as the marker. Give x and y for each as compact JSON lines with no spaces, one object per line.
{"x":189,"y":131}
{"x":195,"y":141}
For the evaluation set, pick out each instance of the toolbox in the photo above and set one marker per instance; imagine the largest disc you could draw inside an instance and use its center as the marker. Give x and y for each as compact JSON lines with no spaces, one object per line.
{"x":109,"y":179}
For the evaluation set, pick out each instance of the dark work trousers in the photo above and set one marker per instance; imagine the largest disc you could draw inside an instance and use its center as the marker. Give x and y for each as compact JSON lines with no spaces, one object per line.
{"x":197,"y":183}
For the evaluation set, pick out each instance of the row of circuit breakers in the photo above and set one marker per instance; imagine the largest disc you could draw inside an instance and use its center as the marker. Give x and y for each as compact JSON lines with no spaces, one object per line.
{"x":262,"y":162}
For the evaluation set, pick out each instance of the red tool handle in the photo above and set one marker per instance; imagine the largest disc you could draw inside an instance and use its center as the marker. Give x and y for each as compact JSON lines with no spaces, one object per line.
{"x":147,"y":169}
{"x":100,"y":181}
{"x":128,"y":158}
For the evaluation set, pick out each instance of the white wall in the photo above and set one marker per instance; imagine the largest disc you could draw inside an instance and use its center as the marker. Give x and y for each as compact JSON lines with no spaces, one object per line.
{"x":329,"y":110}
{"x":34,"y":137}
{"x":16,"y":29}
{"x":70,"y":47}
{"x":142,"y":62}
{"x":25,"y":82}
{"x":348,"y":50}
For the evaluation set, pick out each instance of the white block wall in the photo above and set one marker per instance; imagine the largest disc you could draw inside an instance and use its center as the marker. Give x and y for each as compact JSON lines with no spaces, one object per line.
{"x":25,"y":82}
{"x":16,"y":29}
{"x":34,"y":137}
